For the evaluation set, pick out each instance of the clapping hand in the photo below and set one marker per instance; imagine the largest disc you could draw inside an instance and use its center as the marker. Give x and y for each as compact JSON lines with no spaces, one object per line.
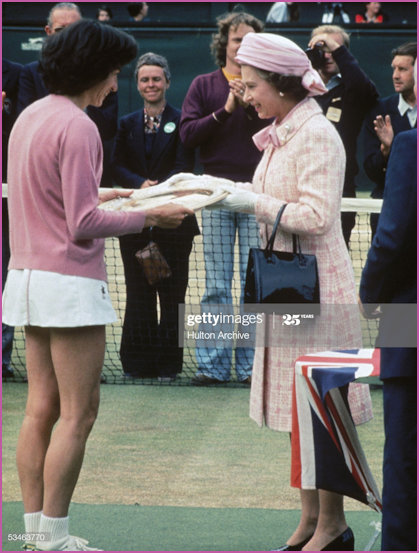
{"x":237,"y":89}
{"x":385,"y":133}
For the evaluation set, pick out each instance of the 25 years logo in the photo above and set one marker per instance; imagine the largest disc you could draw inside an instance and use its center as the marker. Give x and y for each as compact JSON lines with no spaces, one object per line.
{"x":291,"y":320}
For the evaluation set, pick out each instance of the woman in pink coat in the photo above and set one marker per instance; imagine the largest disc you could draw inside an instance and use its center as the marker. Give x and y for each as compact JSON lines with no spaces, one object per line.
{"x":303,"y":166}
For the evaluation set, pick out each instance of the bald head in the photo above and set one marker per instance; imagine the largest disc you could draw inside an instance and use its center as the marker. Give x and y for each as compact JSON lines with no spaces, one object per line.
{"x":62,"y":15}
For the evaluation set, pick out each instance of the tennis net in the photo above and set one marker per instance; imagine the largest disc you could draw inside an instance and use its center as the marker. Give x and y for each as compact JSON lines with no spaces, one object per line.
{"x":113,"y":372}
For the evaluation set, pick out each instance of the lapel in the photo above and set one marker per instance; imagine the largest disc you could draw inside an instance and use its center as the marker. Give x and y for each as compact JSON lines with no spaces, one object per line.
{"x":163,"y":138}
{"x":137,"y":136}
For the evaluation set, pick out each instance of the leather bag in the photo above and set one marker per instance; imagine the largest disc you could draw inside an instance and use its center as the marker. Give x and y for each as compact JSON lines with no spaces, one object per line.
{"x":275,"y":277}
{"x":154,"y":265}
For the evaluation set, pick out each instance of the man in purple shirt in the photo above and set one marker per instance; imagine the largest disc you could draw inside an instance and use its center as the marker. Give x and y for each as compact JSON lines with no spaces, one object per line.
{"x":215,"y":119}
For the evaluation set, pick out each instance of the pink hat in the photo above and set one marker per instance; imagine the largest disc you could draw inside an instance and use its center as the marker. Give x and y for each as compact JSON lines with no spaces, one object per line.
{"x":280,"y":55}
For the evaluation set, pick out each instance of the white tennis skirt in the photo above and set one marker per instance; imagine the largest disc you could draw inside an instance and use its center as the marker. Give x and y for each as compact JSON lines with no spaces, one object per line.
{"x":46,"y":299}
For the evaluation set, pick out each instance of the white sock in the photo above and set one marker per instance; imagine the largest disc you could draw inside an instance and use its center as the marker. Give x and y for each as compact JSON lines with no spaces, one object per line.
{"x":52,"y":529}
{"x":32,"y":521}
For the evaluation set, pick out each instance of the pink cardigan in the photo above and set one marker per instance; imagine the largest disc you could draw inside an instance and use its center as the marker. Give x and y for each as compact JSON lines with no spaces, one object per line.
{"x":55,"y":165}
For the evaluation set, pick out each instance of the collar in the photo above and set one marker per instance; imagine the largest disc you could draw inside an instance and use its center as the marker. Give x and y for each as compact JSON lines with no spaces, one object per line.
{"x":334,"y":81}
{"x":405,"y":108}
{"x":280,"y":133}
{"x":229,"y":76}
{"x":152,"y":124}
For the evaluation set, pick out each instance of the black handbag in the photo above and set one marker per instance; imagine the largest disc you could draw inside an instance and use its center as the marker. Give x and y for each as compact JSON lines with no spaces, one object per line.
{"x":274,"y":277}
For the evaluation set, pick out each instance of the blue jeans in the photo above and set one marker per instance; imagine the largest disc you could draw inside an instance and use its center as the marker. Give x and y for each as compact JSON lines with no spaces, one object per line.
{"x":219,"y":230}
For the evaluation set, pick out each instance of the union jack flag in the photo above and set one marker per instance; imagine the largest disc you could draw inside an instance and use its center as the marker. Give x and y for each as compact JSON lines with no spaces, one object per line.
{"x":326,"y":452}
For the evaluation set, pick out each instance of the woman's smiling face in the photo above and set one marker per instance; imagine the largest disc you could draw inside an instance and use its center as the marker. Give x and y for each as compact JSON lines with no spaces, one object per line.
{"x":260,"y":94}
{"x":152,"y":83}
{"x":98,"y":93}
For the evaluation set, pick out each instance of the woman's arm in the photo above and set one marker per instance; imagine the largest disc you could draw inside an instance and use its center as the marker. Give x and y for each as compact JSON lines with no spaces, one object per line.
{"x":80,"y":159}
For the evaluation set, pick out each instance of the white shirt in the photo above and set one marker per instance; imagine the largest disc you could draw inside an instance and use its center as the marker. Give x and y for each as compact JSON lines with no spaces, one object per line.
{"x":278,"y":13}
{"x":334,"y":81}
{"x":412,"y":112}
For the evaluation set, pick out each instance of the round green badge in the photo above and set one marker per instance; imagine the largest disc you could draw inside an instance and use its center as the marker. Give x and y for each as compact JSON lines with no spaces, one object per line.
{"x":169,"y":127}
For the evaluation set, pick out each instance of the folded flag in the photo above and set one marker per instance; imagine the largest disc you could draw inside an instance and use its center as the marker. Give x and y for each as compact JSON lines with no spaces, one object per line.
{"x":326,"y":452}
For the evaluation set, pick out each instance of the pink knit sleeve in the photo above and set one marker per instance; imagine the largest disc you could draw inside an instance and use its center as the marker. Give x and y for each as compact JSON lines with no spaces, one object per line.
{"x":80,"y":162}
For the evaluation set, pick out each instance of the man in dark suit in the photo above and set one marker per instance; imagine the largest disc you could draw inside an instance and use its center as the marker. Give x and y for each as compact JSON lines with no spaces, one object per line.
{"x":32,"y":87}
{"x":390,"y":277}
{"x":350,"y":95}
{"x":10,"y":81}
{"x":10,"y":85}
{"x":391,"y":115}
{"x":148,"y":150}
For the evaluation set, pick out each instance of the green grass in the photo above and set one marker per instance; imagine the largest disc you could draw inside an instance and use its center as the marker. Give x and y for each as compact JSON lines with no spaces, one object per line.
{"x":182,"y":469}
{"x":181,"y":446}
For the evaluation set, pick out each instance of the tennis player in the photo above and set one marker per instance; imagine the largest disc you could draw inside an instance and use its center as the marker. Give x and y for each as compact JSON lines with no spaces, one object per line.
{"x":56,"y":285}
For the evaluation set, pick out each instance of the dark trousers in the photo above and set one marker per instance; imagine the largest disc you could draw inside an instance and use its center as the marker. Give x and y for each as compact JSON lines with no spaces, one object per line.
{"x":348,"y":218}
{"x":374,"y":224}
{"x":399,"y":521}
{"x":149,"y":346}
{"x":7,"y":331}
{"x":348,"y":222}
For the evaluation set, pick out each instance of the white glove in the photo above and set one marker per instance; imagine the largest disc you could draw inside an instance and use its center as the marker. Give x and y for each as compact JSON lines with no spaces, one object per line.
{"x":237,"y":200}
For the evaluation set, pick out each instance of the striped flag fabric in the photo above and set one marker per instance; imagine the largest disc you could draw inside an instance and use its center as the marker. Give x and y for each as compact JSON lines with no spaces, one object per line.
{"x":326,"y":452}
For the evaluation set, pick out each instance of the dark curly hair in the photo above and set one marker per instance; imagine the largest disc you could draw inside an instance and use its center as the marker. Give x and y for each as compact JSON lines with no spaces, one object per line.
{"x":82,"y":55}
{"x":224,"y":24}
{"x":288,"y":84}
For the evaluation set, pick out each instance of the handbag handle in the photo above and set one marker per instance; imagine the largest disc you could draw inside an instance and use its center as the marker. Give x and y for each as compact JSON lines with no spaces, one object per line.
{"x":295,"y":237}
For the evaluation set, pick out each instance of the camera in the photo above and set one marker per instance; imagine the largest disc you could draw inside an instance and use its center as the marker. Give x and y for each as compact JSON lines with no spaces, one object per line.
{"x":316,"y":55}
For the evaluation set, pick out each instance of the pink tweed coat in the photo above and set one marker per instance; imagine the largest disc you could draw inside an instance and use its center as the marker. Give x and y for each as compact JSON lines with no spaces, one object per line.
{"x":307,"y":172}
